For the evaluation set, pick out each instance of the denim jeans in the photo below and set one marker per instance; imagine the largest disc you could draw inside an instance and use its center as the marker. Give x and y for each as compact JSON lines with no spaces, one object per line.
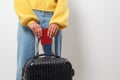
{"x":26,"y":42}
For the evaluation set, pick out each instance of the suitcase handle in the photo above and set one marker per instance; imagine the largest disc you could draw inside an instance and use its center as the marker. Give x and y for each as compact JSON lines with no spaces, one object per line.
{"x":37,"y":45}
{"x":48,"y":55}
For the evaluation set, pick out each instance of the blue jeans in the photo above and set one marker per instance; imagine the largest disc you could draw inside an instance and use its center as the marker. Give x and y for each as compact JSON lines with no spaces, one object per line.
{"x":26,"y":42}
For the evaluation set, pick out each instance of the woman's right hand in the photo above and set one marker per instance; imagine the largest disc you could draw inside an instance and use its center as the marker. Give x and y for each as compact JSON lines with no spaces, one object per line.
{"x":36,"y":28}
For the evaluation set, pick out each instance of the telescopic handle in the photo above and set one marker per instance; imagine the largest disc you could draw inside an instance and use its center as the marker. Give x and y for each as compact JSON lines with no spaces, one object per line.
{"x":36,"y":46}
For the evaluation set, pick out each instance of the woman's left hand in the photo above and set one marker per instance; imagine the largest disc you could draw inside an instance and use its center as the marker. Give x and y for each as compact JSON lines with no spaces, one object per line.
{"x":52,"y":30}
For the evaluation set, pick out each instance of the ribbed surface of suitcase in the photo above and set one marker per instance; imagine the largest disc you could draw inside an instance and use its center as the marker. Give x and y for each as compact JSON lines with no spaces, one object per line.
{"x":48,"y":68}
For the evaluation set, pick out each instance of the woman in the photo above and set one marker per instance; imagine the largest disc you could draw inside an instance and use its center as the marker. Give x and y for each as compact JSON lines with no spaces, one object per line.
{"x":34,"y":15}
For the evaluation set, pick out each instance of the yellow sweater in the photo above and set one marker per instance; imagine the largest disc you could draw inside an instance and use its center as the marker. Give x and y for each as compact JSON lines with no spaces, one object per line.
{"x":24,"y":10}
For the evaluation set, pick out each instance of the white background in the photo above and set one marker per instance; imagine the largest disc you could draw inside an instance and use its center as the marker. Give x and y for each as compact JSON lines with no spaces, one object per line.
{"x":91,"y":42}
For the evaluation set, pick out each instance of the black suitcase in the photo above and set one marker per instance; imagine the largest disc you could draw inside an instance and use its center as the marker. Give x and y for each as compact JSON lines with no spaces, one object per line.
{"x":47,"y":67}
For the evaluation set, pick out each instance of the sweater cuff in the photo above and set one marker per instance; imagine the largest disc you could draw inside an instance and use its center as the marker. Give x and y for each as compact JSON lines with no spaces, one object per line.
{"x":30,"y":22}
{"x":61,"y":26}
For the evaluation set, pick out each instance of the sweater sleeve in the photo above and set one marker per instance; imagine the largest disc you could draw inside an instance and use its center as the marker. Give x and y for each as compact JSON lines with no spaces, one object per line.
{"x":61,"y":14}
{"x":24,"y":12}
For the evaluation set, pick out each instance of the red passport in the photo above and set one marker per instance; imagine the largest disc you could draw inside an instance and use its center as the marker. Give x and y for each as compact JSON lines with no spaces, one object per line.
{"x":45,"y":39}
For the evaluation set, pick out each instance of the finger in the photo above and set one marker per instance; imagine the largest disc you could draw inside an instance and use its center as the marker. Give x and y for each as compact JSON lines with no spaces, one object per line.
{"x":36,"y":32}
{"x":51,"y":32}
{"x":33,"y":30}
{"x":49,"y":29}
{"x":55,"y":32}
{"x":50,"y":35}
{"x":40,"y":32}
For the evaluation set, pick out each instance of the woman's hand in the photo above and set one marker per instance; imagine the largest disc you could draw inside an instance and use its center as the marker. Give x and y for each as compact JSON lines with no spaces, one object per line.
{"x":36,"y":28}
{"x":52,"y":30}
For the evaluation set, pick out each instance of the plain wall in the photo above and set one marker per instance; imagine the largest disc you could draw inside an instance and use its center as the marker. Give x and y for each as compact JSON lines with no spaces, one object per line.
{"x":91,"y":42}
